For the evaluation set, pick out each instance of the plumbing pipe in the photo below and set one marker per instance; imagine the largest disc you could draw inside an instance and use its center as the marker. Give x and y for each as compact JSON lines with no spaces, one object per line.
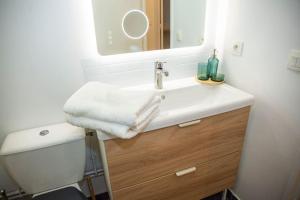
{"x":3,"y":195}
{"x":17,"y":194}
{"x":91,"y":188}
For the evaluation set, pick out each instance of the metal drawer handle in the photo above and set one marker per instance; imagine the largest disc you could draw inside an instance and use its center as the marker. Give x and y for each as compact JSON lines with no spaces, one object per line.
{"x":186,"y":171}
{"x":189,"y":123}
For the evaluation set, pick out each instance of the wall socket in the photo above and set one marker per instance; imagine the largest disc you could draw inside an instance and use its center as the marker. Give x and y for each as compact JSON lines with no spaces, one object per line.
{"x":294,"y":60}
{"x":237,"y":48}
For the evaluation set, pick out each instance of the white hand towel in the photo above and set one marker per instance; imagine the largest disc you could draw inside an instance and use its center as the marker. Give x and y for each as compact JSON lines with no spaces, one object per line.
{"x":118,"y":130}
{"x":108,"y":103}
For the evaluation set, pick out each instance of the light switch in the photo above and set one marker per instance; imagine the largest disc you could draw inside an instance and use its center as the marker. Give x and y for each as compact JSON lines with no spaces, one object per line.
{"x":237,"y":48}
{"x":179,"y":35}
{"x":294,"y":60}
{"x":201,"y":40}
{"x":298,"y":63}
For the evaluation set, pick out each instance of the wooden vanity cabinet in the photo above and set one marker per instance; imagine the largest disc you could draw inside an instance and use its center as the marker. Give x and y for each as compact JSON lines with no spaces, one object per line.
{"x":185,"y":163}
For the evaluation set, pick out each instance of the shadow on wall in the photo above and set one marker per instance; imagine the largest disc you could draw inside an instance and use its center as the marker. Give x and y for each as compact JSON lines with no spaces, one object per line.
{"x":6,"y":181}
{"x":292,"y":191}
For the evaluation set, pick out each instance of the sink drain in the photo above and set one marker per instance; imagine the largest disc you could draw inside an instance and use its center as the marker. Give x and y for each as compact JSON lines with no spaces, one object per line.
{"x":44,"y":132}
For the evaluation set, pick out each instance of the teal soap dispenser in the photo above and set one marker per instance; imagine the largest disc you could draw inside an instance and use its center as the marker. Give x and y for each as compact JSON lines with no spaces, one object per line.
{"x":213,"y":63}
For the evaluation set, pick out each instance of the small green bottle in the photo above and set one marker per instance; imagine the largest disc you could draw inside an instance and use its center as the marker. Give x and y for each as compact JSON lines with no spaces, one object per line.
{"x":213,"y":62}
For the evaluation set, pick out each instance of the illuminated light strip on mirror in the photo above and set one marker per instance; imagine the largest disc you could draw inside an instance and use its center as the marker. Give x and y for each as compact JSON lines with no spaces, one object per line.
{"x":147,"y":21}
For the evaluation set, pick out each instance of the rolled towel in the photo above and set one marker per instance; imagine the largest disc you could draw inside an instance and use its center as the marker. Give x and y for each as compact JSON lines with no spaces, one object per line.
{"x":118,"y":130}
{"x":109,"y":103}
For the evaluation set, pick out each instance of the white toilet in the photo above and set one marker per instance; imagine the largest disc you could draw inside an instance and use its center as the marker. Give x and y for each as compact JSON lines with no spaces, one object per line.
{"x":45,"y":161}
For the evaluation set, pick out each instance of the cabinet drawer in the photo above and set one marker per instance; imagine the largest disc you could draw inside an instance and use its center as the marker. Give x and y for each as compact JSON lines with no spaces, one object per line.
{"x":165,"y":151}
{"x":208,"y":179}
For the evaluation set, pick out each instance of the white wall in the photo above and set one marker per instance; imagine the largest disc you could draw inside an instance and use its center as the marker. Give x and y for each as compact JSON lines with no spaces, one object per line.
{"x":269,"y":28}
{"x":41,"y":45}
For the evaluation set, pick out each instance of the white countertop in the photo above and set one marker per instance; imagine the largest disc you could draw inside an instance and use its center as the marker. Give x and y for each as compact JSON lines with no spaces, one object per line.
{"x":187,"y":100}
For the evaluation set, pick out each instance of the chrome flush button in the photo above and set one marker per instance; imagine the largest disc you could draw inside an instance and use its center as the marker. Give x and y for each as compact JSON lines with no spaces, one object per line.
{"x":44,"y":132}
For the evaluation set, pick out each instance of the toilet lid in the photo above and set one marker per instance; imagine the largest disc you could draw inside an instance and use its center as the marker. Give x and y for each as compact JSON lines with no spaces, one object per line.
{"x":69,"y":193}
{"x":41,"y":137}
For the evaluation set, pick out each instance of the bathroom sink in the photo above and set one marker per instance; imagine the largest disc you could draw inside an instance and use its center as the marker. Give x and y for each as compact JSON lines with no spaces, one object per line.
{"x":197,"y":95}
{"x":203,"y":97}
{"x":187,"y":100}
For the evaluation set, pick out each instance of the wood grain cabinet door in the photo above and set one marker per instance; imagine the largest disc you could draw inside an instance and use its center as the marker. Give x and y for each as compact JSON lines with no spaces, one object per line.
{"x":207,"y":179}
{"x":160,"y":153}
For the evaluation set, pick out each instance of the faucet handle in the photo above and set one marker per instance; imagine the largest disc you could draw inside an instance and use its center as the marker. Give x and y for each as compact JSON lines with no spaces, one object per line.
{"x":166,"y":73}
{"x":159,"y":64}
{"x":157,"y":61}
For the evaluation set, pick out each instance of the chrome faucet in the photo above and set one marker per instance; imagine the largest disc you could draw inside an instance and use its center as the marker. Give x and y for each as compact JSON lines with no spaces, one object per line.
{"x":158,"y":74}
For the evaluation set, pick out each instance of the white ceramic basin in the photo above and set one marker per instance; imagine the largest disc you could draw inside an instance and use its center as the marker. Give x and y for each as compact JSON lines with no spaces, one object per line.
{"x":186,"y":100}
{"x":195,"y":95}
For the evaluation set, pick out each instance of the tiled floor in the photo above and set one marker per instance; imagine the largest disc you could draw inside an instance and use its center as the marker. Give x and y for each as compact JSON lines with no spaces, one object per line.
{"x":217,"y":196}
{"x":103,"y":196}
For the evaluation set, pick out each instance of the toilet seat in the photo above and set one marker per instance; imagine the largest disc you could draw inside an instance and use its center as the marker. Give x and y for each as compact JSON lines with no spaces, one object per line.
{"x":68,"y":193}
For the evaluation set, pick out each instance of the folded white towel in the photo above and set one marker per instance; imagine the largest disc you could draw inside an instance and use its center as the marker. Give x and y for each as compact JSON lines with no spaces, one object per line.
{"x":108,"y":103}
{"x":118,"y":130}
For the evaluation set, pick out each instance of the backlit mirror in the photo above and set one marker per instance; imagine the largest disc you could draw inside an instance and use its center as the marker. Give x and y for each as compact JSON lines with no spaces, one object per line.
{"x":124,"y":26}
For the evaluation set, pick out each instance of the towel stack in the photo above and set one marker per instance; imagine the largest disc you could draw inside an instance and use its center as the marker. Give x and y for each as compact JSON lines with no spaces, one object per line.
{"x":122,"y":113}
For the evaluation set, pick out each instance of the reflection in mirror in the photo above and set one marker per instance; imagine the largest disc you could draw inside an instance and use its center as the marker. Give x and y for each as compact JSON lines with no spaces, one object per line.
{"x":135,"y":24}
{"x":124,"y":26}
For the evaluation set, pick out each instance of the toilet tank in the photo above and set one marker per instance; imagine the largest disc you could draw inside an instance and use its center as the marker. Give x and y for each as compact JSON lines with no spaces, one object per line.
{"x":45,"y":158}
